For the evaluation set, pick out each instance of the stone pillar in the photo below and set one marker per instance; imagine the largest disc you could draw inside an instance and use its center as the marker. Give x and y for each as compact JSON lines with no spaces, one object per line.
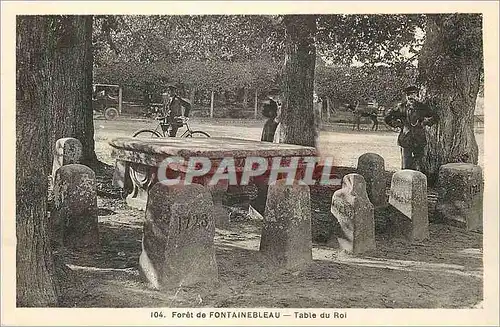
{"x":355,"y":214}
{"x":372,"y":167}
{"x":219,"y":195}
{"x":460,"y":195}
{"x":258,"y":203}
{"x":178,"y":237}
{"x":74,"y":220}
{"x":286,"y":233}
{"x":68,"y":150}
{"x":409,"y":196}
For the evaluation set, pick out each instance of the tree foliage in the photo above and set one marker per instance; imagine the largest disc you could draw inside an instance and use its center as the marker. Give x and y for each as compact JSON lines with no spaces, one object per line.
{"x":175,"y":39}
{"x":369,"y":56}
{"x":460,"y":40}
{"x":349,"y":84}
{"x":214,"y":75}
{"x":212,"y":52}
{"x":390,"y":39}
{"x":216,"y":52}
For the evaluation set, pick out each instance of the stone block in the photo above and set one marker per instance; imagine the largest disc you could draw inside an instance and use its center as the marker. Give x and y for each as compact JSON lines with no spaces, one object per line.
{"x":74,"y":219}
{"x":372,"y":167}
{"x":67,"y":151}
{"x":355,"y":214}
{"x":460,"y":195}
{"x":286,"y":233}
{"x":408,"y":195}
{"x":178,"y":237}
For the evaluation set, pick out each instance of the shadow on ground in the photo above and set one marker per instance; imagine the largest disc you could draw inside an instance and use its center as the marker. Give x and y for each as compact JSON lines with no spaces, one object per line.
{"x":445,"y":272}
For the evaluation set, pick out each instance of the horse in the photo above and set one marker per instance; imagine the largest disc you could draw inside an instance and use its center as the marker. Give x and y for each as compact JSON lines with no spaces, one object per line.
{"x":361,"y":111}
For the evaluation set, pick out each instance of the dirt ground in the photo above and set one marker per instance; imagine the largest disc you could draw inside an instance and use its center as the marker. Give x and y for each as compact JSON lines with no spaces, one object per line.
{"x":443,"y":272}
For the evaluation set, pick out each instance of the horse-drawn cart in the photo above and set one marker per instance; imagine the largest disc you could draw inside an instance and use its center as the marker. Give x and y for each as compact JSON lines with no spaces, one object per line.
{"x":371,"y":110}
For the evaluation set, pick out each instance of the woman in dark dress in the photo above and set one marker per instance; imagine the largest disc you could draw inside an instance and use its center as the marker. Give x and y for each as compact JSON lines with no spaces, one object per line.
{"x":270,"y":111}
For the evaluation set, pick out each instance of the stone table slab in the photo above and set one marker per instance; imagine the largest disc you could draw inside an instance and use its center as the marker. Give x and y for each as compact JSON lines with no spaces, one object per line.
{"x":207,"y":147}
{"x":137,"y":160}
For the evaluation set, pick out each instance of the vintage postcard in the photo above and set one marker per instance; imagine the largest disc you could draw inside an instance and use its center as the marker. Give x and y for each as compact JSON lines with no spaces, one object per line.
{"x":238,"y":163}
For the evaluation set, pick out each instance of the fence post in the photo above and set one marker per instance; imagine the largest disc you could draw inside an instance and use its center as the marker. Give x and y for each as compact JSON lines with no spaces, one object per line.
{"x":245,"y":98}
{"x":212,"y":105}
{"x":328,"y":108}
{"x":120,"y":99}
{"x":256,"y":104}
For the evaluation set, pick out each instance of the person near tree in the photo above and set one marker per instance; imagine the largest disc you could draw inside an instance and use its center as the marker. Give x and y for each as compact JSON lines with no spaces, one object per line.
{"x":411,"y":116}
{"x":271,"y":110}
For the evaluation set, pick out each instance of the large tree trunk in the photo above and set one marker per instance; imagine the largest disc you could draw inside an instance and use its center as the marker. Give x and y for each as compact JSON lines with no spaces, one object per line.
{"x":36,"y":285}
{"x":450,"y":66}
{"x":297,"y":117}
{"x":71,"y":83}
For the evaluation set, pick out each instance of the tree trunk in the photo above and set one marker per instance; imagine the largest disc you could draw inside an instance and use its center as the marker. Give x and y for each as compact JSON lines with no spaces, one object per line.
{"x":35,"y":273}
{"x":192,"y":95}
{"x":71,"y":83}
{"x":297,"y":122}
{"x":85,"y":132}
{"x":450,"y":67}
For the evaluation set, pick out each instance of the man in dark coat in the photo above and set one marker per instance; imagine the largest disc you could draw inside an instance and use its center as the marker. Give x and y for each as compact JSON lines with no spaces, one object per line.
{"x":173,"y":106}
{"x":411,"y":116}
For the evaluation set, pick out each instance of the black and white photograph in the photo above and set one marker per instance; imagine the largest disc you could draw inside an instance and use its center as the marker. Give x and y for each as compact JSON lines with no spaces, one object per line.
{"x":250,"y":167}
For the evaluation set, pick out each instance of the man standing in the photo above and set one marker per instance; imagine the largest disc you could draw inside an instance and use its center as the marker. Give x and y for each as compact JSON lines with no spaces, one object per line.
{"x":411,"y":116}
{"x":173,"y":106}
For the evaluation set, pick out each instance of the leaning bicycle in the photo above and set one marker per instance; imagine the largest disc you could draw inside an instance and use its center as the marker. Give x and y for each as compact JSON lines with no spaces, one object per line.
{"x":161,"y":130}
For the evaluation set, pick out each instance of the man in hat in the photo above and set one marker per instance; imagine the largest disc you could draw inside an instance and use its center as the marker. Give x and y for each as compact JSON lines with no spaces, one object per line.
{"x":411,"y":116}
{"x":175,"y":109}
{"x":271,"y":110}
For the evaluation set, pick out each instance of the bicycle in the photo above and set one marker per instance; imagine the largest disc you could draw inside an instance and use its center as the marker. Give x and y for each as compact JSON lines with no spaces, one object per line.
{"x":162,"y":130}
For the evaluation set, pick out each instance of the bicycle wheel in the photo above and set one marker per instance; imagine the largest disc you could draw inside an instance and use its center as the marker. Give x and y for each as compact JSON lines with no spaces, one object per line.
{"x":146,"y":133}
{"x":197,"y":134}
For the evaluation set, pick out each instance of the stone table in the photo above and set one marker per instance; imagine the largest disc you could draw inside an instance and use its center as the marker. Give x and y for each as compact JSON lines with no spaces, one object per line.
{"x":138,"y":160}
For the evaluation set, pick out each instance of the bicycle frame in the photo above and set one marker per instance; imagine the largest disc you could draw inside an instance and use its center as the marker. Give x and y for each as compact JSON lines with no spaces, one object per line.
{"x":187,"y":131}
